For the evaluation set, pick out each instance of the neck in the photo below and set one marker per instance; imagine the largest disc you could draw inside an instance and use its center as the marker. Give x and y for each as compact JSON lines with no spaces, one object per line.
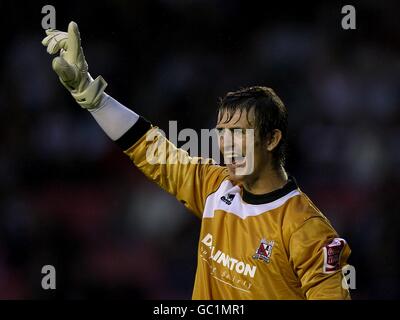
{"x":266,"y":181}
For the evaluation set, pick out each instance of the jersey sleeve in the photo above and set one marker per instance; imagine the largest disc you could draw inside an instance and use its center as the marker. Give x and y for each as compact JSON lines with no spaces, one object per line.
{"x":189,"y":179}
{"x":318,"y":255}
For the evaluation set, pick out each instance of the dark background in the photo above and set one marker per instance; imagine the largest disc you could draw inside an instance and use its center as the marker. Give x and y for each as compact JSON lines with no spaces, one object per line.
{"x":70,"y":198}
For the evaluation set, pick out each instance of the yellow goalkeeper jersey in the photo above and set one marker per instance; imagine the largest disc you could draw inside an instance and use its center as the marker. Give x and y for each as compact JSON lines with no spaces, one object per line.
{"x":272,"y":246}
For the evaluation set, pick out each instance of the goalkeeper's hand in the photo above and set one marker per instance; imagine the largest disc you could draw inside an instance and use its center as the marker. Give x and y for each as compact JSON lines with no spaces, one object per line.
{"x":72,"y":68}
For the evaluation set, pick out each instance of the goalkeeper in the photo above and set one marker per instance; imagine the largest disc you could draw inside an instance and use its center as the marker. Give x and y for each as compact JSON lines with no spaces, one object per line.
{"x":261,"y":237}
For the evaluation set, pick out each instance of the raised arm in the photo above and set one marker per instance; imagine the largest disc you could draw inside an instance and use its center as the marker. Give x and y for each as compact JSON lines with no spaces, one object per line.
{"x":189,"y":179}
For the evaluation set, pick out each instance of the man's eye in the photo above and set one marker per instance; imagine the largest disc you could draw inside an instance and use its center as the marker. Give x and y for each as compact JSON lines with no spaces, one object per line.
{"x":220,"y":131}
{"x":239,"y":132}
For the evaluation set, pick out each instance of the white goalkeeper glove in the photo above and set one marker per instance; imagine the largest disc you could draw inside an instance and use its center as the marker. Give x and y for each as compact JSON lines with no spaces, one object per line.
{"x":72,"y":68}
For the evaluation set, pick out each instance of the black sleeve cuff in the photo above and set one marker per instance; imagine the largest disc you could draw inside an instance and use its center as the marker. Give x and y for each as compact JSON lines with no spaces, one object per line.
{"x":137,"y":131}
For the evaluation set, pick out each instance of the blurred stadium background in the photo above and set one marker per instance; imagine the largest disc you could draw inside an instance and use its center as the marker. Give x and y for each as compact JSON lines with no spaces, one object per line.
{"x":70,"y":198}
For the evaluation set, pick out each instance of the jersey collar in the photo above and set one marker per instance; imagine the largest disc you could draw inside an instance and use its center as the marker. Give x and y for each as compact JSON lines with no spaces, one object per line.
{"x":251,"y":198}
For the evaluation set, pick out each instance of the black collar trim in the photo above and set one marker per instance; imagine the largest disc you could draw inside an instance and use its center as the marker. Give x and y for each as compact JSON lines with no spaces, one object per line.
{"x":251,"y":198}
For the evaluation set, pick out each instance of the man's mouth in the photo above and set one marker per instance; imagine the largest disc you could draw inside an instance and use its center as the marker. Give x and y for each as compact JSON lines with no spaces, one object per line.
{"x":234,"y":160}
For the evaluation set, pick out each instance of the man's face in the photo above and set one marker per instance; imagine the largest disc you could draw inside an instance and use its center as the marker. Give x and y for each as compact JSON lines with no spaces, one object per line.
{"x":239,"y":144}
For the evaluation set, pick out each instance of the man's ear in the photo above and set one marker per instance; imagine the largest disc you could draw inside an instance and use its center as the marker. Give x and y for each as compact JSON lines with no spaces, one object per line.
{"x":273,"y":139}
